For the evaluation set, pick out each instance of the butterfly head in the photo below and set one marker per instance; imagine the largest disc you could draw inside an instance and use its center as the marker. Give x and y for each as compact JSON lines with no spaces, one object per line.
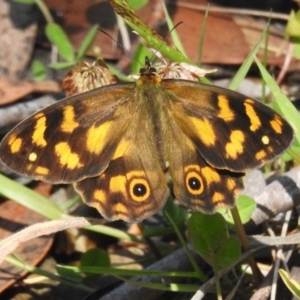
{"x":148,"y":74}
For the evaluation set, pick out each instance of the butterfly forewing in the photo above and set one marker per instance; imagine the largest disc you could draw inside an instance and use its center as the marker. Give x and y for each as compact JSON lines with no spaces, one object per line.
{"x":61,"y":143}
{"x":229,"y":130}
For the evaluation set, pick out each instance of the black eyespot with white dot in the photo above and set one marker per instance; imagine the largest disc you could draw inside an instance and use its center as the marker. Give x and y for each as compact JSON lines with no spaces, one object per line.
{"x":194,"y":183}
{"x":139,"y":189}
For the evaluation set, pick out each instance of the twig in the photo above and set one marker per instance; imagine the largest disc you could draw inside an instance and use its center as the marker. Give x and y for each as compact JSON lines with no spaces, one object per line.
{"x":286,"y":63}
{"x":9,"y":244}
{"x":238,"y":11}
{"x":11,"y":115}
{"x":279,"y":255}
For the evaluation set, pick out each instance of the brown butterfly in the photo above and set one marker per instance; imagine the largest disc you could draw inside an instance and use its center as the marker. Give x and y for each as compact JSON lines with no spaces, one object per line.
{"x":118,"y":143}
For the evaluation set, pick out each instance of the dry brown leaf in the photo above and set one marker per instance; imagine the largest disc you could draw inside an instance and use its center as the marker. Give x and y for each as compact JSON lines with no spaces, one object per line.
{"x":277,"y":44}
{"x":78,"y":19}
{"x":11,"y":91}
{"x":230,"y":37}
{"x":14,"y":217}
{"x":224,"y":42}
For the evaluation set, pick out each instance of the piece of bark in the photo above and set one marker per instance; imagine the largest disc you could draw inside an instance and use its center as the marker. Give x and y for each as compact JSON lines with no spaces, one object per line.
{"x":281,"y":195}
{"x":17,"y":36}
{"x":11,"y":115}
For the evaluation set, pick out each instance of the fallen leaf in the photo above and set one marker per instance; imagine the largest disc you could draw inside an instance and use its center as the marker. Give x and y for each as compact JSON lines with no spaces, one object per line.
{"x":11,"y":91}
{"x":14,"y":217}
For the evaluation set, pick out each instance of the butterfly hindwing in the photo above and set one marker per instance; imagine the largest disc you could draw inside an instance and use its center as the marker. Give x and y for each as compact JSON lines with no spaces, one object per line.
{"x":196,"y":184}
{"x":134,"y":184}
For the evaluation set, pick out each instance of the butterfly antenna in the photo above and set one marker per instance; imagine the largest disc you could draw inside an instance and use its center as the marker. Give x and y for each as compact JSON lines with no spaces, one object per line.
{"x":120,"y":45}
{"x":165,"y":40}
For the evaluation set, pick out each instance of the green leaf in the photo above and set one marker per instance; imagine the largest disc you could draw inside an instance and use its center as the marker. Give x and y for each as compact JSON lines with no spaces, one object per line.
{"x":291,"y":284}
{"x":87,"y":42}
{"x":95,"y":258}
{"x":245,"y":205}
{"x":228,"y":253}
{"x":25,"y":1}
{"x":296,"y":50}
{"x":38,"y":70}
{"x":209,"y":237}
{"x":137,"y":4}
{"x":292,"y":28}
{"x":58,"y":37}
{"x":69,"y":274}
{"x":175,"y":212}
{"x":62,"y":65}
{"x":207,"y":233}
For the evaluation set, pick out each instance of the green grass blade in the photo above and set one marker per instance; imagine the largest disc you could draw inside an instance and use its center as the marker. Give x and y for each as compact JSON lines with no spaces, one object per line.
{"x":44,"y":206}
{"x":243,"y":70}
{"x":183,"y":243}
{"x":87,"y":42}
{"x":57,"y":36}
{"x":173,"y":287}
{"x":128,"y":272}
{"x":152,"y":38}
{"x":201,"y":38}
{"x":29,"y":198}
{"x":285,"y":106}
{"x":175,"y":37}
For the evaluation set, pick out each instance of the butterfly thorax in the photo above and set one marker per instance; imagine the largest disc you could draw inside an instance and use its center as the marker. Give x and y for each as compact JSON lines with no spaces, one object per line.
{"x":148,"y":76}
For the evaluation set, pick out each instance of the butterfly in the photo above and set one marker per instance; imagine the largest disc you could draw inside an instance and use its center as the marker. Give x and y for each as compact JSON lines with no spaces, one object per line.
{"x":120,"y":144}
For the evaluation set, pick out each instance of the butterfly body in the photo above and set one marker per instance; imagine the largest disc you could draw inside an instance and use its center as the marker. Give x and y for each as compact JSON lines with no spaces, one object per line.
{"x":118,"y":143}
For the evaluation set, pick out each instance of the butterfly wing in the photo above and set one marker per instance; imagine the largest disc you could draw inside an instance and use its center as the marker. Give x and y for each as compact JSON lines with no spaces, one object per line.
{"x":229,"y":130}
{"x":196,"y":184}
{"x":114,"y":142}
{"x":134,"y":184}
{"x":61,"y":143}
